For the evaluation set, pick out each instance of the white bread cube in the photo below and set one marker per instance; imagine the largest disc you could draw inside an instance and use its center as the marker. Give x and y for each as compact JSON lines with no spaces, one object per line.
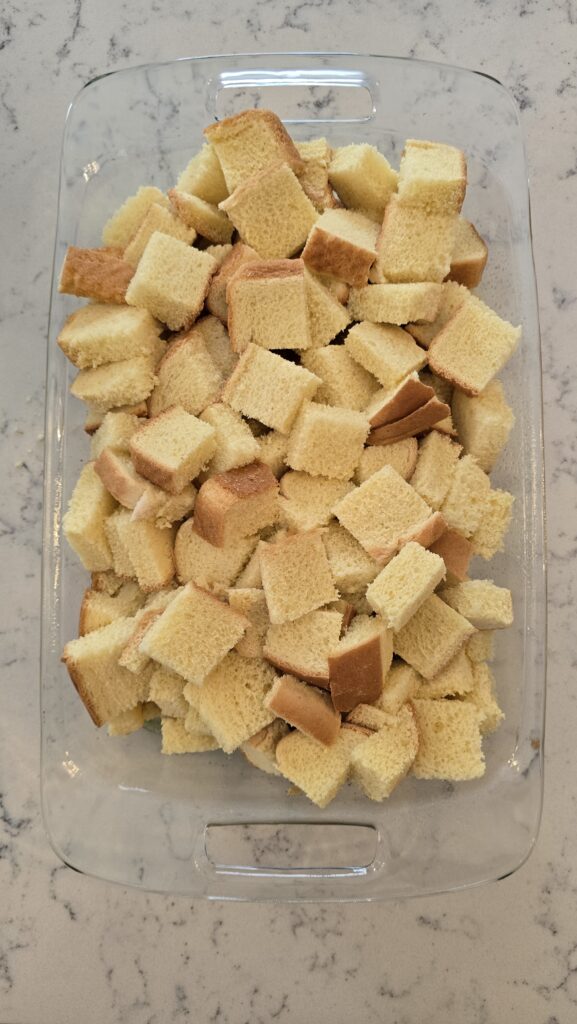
{"x":236,"y":504}
{"x":141,"y":550}
{"x":84,"y":522}
{"x":235,"y":444}
{"x":482,"y":696}
{"x":363,"y":178}
{"x":306,"y":501}
{"x":268,"y":388}
{"x":468,"y":496}
{"x":272,"y":451}
{"x":125,"y":222}
{"x":489,"y":536}
{"x":267,"y":305}
{"x":432,"y":176}
{"x":171,"y":281}
{"x":105,"y":688}
{"x":400,"y":455}
{"x":344,"y":382}
{"x":177,"y":739}
{"x":454,"y":680}
{"x":302,"y":647}
{"x":342,"y":244}
{"x":98,"y":274}
{"x":359,"y":663}
{"x":327,"y":315}
{"x":305,"y":708}
{"x":473,"y":347}
{"x":404,"y":584}
{"x":250,"y":602}
{"x":95,"y":414}
{"x":481,"y":646}
{"x":232,"y":700}
{"x":202,"y":563}
{"x":203,"y":218}
{"x":100,"y":609}
{"x":484,"y":604}
{"x":249,"y":142}
{"x":127,"y":722}
{"x":432,"y":637}
{"x":401,"y":683}
{"x":327,"y":441}
{"x":395,"y":303}
{"x":216,"y":299}
{"x":453,"y":296}
{"x":97,"y":334}
{"x":351,"y":567}
{"x":158,"y":218}
{"x":388,"y":352}
{"x":271,"y":212}
{"x":217,"y":343}
{"x":203,"y":177}
{"x":296,"y":577}
{"x":449,"y":740}
{"x":117,"y":384}
{"x":469,"y":257}
{"x":187,"y":376}
{"x":484,"y":423}
{"x":436,"y":465}
{"x":413,"y":244}
{"x":219,"y":252}
{"x":166,"y":690}
{"x":172,"y":448}
{"x":317,"y":771}
{"x":379,"y":764}
{"x":114,"y":432}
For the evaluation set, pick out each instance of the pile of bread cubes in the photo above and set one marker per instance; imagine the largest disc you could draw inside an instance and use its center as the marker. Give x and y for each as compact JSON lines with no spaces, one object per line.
{"x":294,"y":406}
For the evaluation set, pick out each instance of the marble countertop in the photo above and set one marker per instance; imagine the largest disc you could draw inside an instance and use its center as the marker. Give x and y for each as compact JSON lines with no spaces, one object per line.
{"x":75,"y":949}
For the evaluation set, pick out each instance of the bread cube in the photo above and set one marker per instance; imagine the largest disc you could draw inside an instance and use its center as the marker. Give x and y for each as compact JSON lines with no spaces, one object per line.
{"x":117,"y":384}
{"x":342,"y":243}
{"x":249,"y":142}
{"x":171,"y":281}
{"x":100,"y":609}
{"x":305,"y":708}
{"x":260,"y":749}
{"x":404,"y":584}
{"x":216,"y":299}
{"x":482,"y":696}
{"x":203,"y":177}
{"x":449,"y":740}
{"x":232,"y":700}
{"x":302,"y":647}
{"x":250,"y":602}
{"x":401,"y":683}
{"x":84,"y":522}
{"x":194,"y":634}
{"x":236,"y":504}
{"x":489,"y":536}
{"x":187,"y":376}
{"x":318,"y":771}
{"x":272,"y":451}
{"x":413,"y":244}
{"x":114,"y":433}
{"x":271,"y":212}
{"x":125,"y":222}
{"x":327,"y":441}
{"x":99,"y":274}
{"x":400,"y":455}
{"x":97,"y":334}
{"x":436,"y":465}
{"x":166,"y":690}
{"x":141,"y":550}
{"x":158,"y":218}
{"x":484,"y":423}
{"x":359,"y":663}
{"x":327,"y":316}
{"x":453,"y":296}
{"x":95,"y":414}
{"x":202,"y":217}
{"x":177,"y":739}
{"x":170,"y":449}
{"x":484,"y":604}
{"x":208,"y":566}
{"x":314,"y":177}
{"x":235,"y":444}
{"x":105,"y":688}
{"x":473,"y":347}
{"x":379,"y":764}
{"x":351,"y":567}
{"x":363,"y":178}
{"x":454,"y":680}
{"x":432,"y":637}
{"x":395,"y":303}
{"x":456,"y":552}
{"x":468,"y":496}
{"x":267,"y":305}
{"x":432,"y":176}
{"x":268,"y":388}
{"x":296,"y":577}
{"x":481,"y":646}
{"x":306,"y":501}
{"x":389,"y":353}
{"x":344,"y":382}
{"x":469,"y":257}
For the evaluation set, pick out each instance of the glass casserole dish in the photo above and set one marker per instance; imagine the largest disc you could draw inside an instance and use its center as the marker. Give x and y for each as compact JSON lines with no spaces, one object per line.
{"x":208,"y":825}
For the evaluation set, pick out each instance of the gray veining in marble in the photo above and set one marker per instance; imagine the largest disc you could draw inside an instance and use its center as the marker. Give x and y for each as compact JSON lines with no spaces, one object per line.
{"x":74,"y":949}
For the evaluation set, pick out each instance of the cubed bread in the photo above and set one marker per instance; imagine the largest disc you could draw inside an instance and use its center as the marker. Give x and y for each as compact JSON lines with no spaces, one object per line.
{"x":203,"y":218}
{"x":203,"y":176}
{"x":97,"y":334}
{"x":114,"y":432}
{"x":249,"y":142}
{"x":359,"y":663}
{"x":302,"y":647}
{"x":413,"y":244}
{"x":141,"y":550}
{"x":99,"y":274}
{"x":208,"y":566}
{"x":481,"y":646}
{"x":132,"y":657}
{"x":327,"y":441}
{"x":436,"y":465}
{"x":272,"y":451}
{"x":456,"y":552}
{"x":417,"y":422}
{"x":363,"y":178}
{"x":187,"y":376}
{"x":482,"y":696}
{"x":251,"y":603}
{"x":449,"y":740}
{"x":305,"y":708}
{"x":327,"y":315}
{"x":217,"y":343}
{"x":344,"y":382}
{"x":453,"y":296}
{"x":194,"y":634}
{"x":314,"y":176}
{"x":454,"y":680}
{"x":432,"y":637}
{"x":489,"y":536}
{"x":158,"y":218}
{"x":318,"y":771}
{"x":105,"y":688}
{"x":164,"y":509}
{"x":232,"y":700}
{"x":351,"y":567}
{"x":306,"y":501}
{"x":432,"y":176}
{"x":473,"y":347}
{"x":400,"y":455}
{"x":117,"y":384}
{"x":342,"y":243}
{"x":125,"y":222}
{"x":268,"y":388}
{"x":404,"y":584}
{"x":235,"y":444}
{"x":386,"y":512}
{"x":484,"y":604}
{"x":469,"y":257}
{"x":166,"y":690}
{"x":398,"y":402}
{"x":267,"y":305}
{"x":238,"y":257}
{"x":388,"y":352}
{"x":401,"y":683}
{"x":395,"y":303}
{"x":84,"y":522}
{"x":177,"y":739}
{"x":100,"y":609}
{"x":296,"y":576}
{"x":236,"y":504}
{"x":260,"y":749}
{"x":379,"y":764}
{"x":95,"y":414}
{"x":271,"y":212}
{"x":127,"y":722}
{"x":467,"y":499}
{"x":444,"y":392}
{"x":172,"y":448}
{"x":118,"y":475}
{"x":171,"y":281}
{"x":484,"y":423}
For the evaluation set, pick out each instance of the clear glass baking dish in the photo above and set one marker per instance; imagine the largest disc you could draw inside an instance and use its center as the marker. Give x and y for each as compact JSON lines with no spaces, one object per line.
{"x":209,"y":825}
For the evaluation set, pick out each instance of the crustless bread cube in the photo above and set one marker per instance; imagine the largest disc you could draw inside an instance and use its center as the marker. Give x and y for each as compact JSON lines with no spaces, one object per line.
{"x":208,"y":566}
{"x":327,"y":441}
{"x":485,"y":605}
{"x":232,"y":700}
{"x":235,"y":444}
{"x":317,"y":771}
{"x":363,"y":179}
{"x":306,"y":501}
{"x":387,"y":352}
{"x":296,"y":577}
{"x":467,"y":498}
{"x":402,"y":586}
{"x":202,"y":217}
{"x":432,"y":176}
{"x":84,"y":522}
{"x":351,"y":567}
{"x":432,"y":637}
{"x":449,"y":740}
{"x":385,"y":759}
{"x":249,"y":142}
{"x":344,"y":382}
{"x":483,"y":422}
{"x":171,"y":281}
{"x":187,"y":376}
{"x":268,"y":388}
{"x":271,"y":212}
{"x":157,"y":219}
{"x":436,"y":465}
{"x":488,"y":538}
{"x":125,"y":222}
{"x":473,"y":347}
{"x":302,"y":647}
{"x":395,"y":303}
{"x":455,"y":680}
{"x":203,"y":177}
{"x":413,"y":244}
{"x":97,"y":334}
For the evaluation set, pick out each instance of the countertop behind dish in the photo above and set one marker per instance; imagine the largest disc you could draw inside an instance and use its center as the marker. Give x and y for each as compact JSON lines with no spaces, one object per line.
{"x":72,"y":948}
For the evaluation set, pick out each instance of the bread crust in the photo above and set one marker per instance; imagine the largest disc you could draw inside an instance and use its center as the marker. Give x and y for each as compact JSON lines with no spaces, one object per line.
{"x":125,"y":488}
{"x":407,"y":398}
{"x":235,"y":124}
{"x":416,"y":422}
{"x":456,"y":552}
{"x":216,"y":300}
{"x":100,"y":274}
{"x":356,"y":675}
{"x":223,"y":491}
{"x":305,"y":708}
{"x":330,"y":254}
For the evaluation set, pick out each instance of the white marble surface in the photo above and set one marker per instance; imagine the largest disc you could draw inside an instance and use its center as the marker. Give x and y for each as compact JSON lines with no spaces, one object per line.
{"x":73,"y":949}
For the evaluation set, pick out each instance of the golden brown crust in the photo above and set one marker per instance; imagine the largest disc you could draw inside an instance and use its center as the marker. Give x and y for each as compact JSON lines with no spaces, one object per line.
{"x":408,"y":397}
{"x":259,"y":270}
{"x":238,"y":122}
{"x":356,"y":675}
{"x":428,"y":532}
{"x":85,"y":612}
{"x":146,"y":465}
{"x":222,"y":491}
{"x":76,"y":677}
{"x":305,"y":708}
{"x":416,"y":422}
{"x":456,"y":552}
{"x":118,"y":480}
{"x":331,"y":254}
{"x":468,"y":270}
{"x":99,"y":274}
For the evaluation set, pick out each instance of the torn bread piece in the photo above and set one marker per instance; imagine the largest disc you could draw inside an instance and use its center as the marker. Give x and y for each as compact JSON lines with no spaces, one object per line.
{"x":201,"y":217}
{"x":99,"y":274}
{"x":267,"y":305}
{"x":125,"y":222}
{"x":97,"y":334}
{"x":453,"y":296}
{"x":271,"y":212}
{"x":170,"y":449}
{"x":432,"y":637}
{"x":473,"y":347}
{"x":171,"y":281}
{"x":359,"y":663}
{"x":363,"y":179}
{"x":327,"y":441}
{"x":210,"y":567}
{"x":305,"y":708}
{"x":187,"y":376}
{"x":449,"y":740}
{"x":268,"y":388}
{"x":100,"y":609}
{"x":401,"y":683}
{"x":296,"y":576}
{"x":232,"y":700}
{"x":469,"y":257}
{"x":84,"y":522}
{"x":482,"y":602}
{"x":379,"y":764}
{"x":404,"y":584}
{"x":236,"y":504}
{"x":342,"y":244}
{"x":401,"y":455}
{"x":395,"y":303}
{"x":302,"y":647}
{"x":177,"y":739}
{"x":249,"y":142}
{"x":389,"y":353}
